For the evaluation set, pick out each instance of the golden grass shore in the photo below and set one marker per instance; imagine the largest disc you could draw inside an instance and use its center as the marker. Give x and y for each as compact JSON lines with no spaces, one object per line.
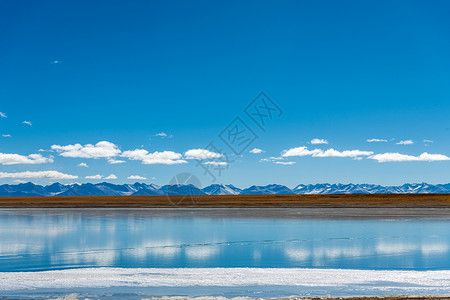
{"x":391,"y":297}
{"x":407,"y":201}
{"x":399,"y":297}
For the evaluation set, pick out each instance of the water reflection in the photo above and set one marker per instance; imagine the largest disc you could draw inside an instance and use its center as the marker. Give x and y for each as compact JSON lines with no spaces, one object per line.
{"x":46,"y":239}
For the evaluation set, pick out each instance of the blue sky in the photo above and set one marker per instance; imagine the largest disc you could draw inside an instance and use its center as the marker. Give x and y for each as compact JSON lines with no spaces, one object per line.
{"x":122,"y":72}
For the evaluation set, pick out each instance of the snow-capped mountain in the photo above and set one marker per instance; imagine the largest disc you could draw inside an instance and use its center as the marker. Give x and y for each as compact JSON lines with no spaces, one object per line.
{"x":409,"y":188}
{"x":326,"y":188}
{"x":181,"y":189}
{"x":221,"y":189}
{"x":270,"y":189}
{"x":145,"y":189}
{"x":108,"y":189}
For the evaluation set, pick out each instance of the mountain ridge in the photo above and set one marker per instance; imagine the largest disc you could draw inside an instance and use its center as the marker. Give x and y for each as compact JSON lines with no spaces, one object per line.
{"x":109,"y":189}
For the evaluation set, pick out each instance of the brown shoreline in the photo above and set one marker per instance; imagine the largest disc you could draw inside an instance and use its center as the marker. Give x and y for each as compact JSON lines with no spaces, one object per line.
{"x":385,"y":201}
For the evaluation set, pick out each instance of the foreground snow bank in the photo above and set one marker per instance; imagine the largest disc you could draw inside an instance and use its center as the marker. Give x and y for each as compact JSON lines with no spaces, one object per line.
{"x":301,"y":281}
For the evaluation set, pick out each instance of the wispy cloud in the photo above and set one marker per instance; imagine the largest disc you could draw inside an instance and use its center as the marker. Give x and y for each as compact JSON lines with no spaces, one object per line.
{"x":2,"y":115}
{"x":272,"y":158}
{"x":39,"y":174}
{"x":20,"y":181}
{"x":376,"y":141}
{"x":27,"y":123}
{"x":6,"y":135}
{"x":405,"y":142}
{"x":304,"y":151}
{"x":318,"y":141}
{"x":83,"y":165}
{"x":136,"y":177}
{"x":164,"y":135}
{"x":277,"y":160}
{"x":256,"y":151}
{"x":285,"y":162}
{"x":427,"y":142}
{"x":55,"y":62}
{"x":216,"y":163}
{"x":17,"y":159}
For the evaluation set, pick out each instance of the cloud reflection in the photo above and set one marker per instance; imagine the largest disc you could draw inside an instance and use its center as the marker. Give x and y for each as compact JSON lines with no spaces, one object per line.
{"x":201,"y":252}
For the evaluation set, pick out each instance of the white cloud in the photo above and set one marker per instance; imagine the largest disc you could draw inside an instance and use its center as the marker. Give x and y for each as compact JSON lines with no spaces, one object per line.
{"x":115,"y":161}
{"x":83,"y":165}
{"x":256,"y":151}
{"x":300,"y":151}
{"x":395,"y":157}
{"x":137,"y":154}
{"x":6,"y":135}
{"x":405,"y":142}
{"x":2,"y":115}
{"x":94,"y":177}
{"x":39,"y":174}
{"x":55,"y":62}
{"x":318,"y":141}
{"x":216,"y":163}
{"x":428,"y":141}
{"x":376,"y":141}
{"x":164,"y":157}
{"x":201,"y":154}
{"x":285,"y":162}
{"x":16,"y":159}
{"x":136,"y":177}
{"x":303,"y":151}
{"x":101,"y":149}
{"x":27,"y":123}
{"x":112,"y":176}
{"x":345,"y":153}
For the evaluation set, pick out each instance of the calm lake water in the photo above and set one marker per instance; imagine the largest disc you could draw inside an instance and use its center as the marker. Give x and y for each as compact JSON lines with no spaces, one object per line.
{"x":37,"y":240}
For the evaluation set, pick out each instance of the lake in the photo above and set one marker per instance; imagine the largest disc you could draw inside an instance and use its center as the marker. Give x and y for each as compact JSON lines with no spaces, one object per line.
{"x":38,"y":240}
{"x":158,"y":242}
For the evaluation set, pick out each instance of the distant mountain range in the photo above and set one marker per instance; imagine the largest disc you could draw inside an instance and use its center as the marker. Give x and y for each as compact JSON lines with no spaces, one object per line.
{"x":108,"y":189}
